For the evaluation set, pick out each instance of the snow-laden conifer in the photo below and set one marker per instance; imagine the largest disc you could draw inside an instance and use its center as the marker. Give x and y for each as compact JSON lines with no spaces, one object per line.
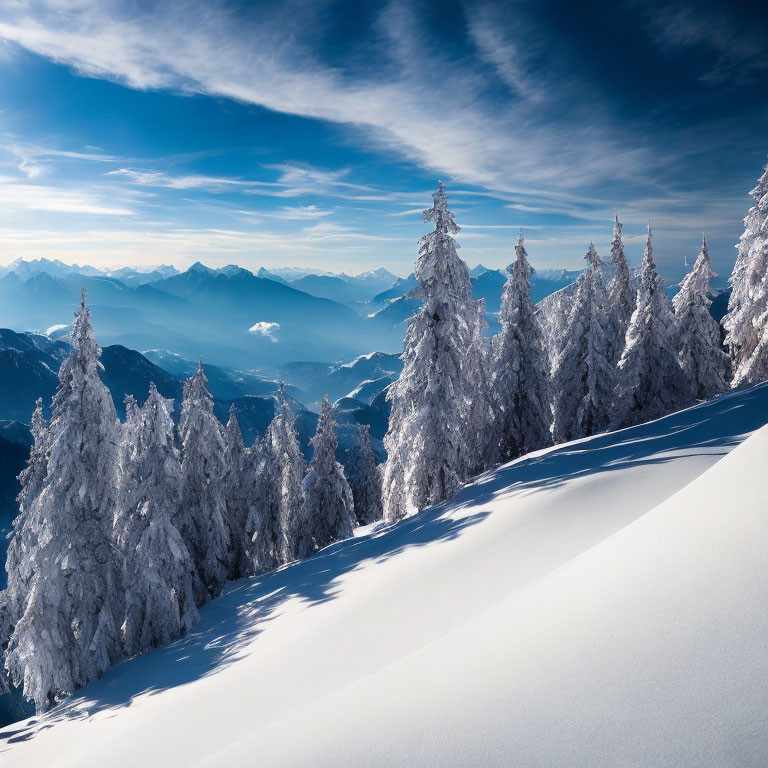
{"x":365,"y":478}
{"x":129,"y":434}
{"x":68,"y":631}
{"x":521,"y":368}
{"x":202,"y":514}
{"x":240,"y":497}
{"x":584,"y":375}
{"x":746,"y":323}
{"x":700,"y":356}
{"x":328,"y":510}
{"x":650,"y":381}
{"x":161,"y":582}
{"x":621,"y":295}
{"x":432,"y":442}
{"x":482,"y":411}
{"x":264,"y":526}
{"x":289,"y":470}
{"x":27,"y":525}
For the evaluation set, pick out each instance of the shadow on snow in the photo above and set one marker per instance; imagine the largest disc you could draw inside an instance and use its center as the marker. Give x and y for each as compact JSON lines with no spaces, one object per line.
{"x":230,"y":623}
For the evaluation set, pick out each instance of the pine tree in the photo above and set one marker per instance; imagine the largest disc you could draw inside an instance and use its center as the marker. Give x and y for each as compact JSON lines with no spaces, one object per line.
{"x":289,"y":470}
{"x":27,"y":524}
{"x":161,"y":582}
{"x":432,"y":442}
{"x":747,"y":318}
{"x":129,"y":434}
{"x":650,"y":381}
{"x":700,"y":356}
{"x":328,"y":510}
{"x":365,"y":478}
{"x":68,"y":632}
{"x":621,"y":296}
{"x":239,"y":485}
{"x":482,"y":412}
{"x":584,"y":375}
{"x":520,"y":373}
{"x":202,"y":514}
{"x":264,"y":525}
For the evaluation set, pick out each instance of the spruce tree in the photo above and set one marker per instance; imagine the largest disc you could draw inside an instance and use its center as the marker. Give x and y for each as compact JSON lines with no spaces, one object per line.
{"x":521,"y":368}
{"x":700,"y":356}
{"x":432,"y":442}
{"x":27,"y":525}
{"x":289,"y":470}
{"x":264,"y":525}
{"x":650,"y":381}
{"x":239,"y":487}
{"x":202,"y":513}
{"x":365,"y":478}
{"x":584,"y":375}
{"x":328,"y":510}
{"x":621,"y":296}
{"x":747,"y":318}
{"x":161,"y":582}
{"x":68,"y":631}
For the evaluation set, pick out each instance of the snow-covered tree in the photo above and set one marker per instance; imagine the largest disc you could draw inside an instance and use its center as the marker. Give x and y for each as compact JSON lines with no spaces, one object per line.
{"x":202,"y":513}
{"x":700,"y":356}
{"x":27,"y":525}
{"x":68,"y":632}
{"x":240,"y":493}
{"x":650,"y":381}
{"x":264,"y":526}
{"x":328,"y":511}
{"x":161,"y":582}
{"x":521,"y":368}
{"x":432,"y":442}
{"x":478,"y":360}
{"x":289,"y":470}
{"x":584,"y":375}
{"x":129,"y":434}
{"x":621,"y":296}
{"x":746,"y":323}
{"x":365,"y":478}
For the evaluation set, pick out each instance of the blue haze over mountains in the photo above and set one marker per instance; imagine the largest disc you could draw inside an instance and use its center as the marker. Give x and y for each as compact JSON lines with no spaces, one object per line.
{"x":202,"y":311}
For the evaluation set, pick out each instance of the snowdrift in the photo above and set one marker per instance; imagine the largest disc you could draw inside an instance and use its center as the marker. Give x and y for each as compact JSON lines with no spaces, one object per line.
{"x":600,"y":603}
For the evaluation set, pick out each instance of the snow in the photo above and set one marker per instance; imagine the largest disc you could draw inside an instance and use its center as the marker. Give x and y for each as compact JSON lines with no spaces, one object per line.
{"x":596,"y":603}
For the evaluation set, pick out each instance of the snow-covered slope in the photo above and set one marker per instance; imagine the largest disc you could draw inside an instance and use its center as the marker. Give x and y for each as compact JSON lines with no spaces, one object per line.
{"x":598,"y":604}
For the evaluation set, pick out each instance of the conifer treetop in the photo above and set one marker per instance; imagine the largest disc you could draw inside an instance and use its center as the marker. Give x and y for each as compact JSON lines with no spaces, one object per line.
{"x":87,"y":351}
{"x":440,"y":213}
{"x":520,"y":267}
{"x":592,"y":256}
{"x":617,"y":245}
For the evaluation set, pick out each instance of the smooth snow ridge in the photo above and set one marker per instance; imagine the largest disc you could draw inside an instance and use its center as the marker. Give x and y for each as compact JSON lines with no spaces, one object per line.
{"x":602,"y":603}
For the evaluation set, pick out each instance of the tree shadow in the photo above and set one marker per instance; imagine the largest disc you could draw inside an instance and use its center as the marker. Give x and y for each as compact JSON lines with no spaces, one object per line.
{"x":712,"y":428}
{"x":230,"y":623}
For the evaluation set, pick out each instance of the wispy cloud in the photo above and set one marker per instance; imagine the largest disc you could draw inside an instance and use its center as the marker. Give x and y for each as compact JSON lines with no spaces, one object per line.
{"x":505,"y":115}
{"x":31,"y":159}
{"x":150,"y":178}
{"x":215,"y":52}
{"x":35,"y":197}
{"x":296,"y":213}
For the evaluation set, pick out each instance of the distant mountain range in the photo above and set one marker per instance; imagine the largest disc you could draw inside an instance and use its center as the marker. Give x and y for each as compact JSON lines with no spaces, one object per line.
{"x":231,"y":316}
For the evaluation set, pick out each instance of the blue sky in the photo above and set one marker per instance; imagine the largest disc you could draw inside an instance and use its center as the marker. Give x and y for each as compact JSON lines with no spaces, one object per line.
{"x":311,"y":133}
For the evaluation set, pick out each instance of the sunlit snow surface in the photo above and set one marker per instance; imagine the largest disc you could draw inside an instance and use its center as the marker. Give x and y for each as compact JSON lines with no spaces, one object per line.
{"x":603,"y":603}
